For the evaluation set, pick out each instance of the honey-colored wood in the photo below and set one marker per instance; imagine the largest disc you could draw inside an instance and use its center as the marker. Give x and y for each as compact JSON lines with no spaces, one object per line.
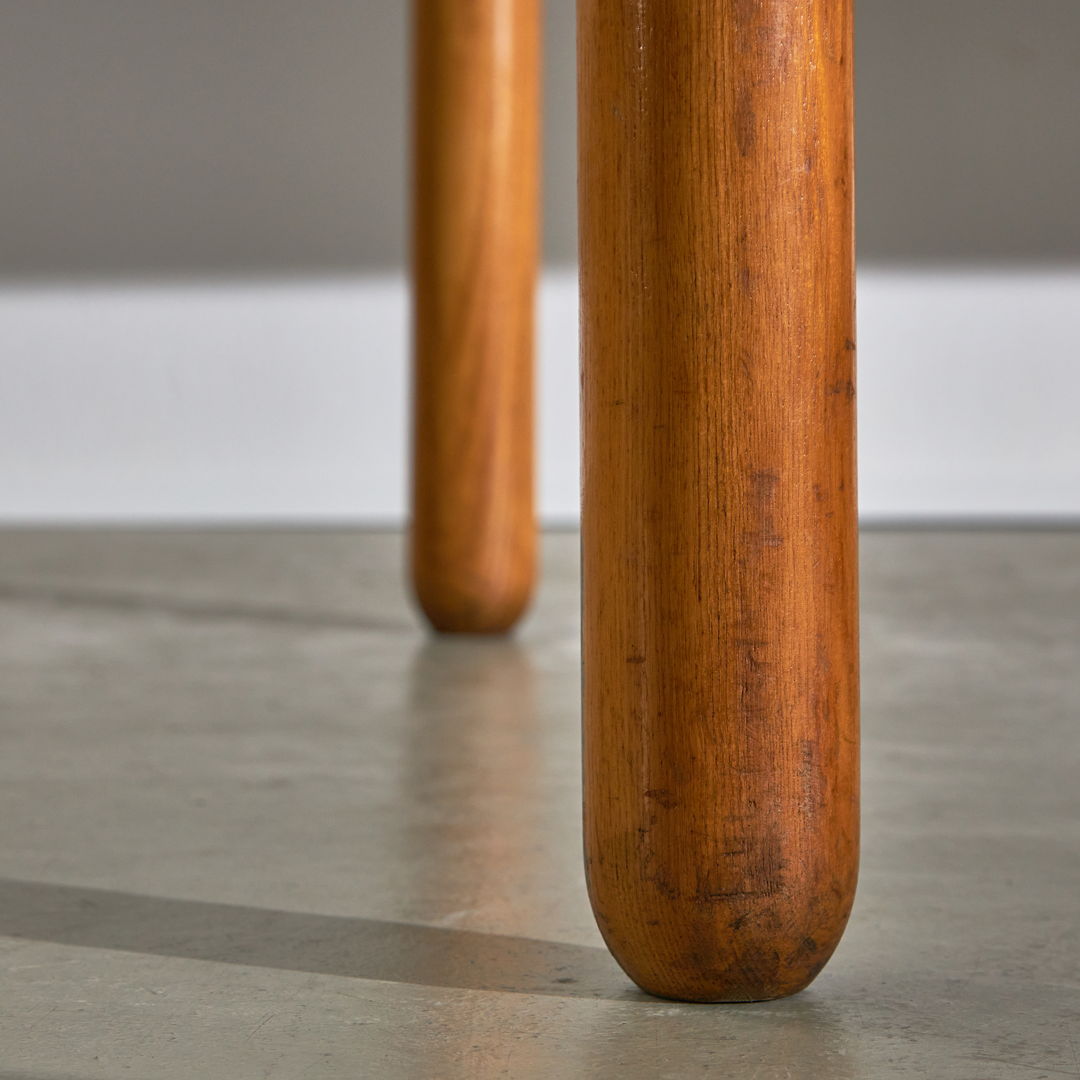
{"x":476,"y":181}
{"x":720,"y":621}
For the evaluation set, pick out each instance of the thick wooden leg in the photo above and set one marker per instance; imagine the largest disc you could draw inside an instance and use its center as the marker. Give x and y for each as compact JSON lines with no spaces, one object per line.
{"x":474,"y":266}
{"x":720,"y":621}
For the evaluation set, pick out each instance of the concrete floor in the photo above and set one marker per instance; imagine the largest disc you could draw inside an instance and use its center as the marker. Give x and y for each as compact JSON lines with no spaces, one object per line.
{"x":256,"y":823}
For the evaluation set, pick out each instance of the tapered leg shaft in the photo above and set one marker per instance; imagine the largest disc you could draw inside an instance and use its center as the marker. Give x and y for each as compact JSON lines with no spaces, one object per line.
{"x":720,"y":620}
{"x":476,"y":164}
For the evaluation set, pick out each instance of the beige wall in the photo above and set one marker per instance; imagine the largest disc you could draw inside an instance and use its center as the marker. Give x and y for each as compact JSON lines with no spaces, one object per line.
{"x":221,"y":136}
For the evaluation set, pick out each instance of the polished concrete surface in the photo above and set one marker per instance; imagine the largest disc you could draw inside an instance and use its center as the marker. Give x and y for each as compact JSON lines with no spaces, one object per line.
{"x":257,"y":823}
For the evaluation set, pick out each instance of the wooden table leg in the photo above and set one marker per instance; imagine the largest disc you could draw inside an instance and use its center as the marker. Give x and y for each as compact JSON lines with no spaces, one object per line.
{"x":476,"y":163}
{"x":720,"y":619}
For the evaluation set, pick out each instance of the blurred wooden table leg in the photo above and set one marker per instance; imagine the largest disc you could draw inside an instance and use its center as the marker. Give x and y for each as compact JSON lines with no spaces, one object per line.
{"x":720,"y":617}
{"x":476,"y":166}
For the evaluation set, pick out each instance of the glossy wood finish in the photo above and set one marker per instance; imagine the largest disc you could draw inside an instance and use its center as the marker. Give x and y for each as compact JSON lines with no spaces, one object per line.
{"x":476,"y":164}
{"x":720,"y":620}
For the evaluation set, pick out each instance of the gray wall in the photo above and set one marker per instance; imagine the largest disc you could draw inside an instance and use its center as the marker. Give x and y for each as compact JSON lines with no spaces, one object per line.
{"x":221,"y":136}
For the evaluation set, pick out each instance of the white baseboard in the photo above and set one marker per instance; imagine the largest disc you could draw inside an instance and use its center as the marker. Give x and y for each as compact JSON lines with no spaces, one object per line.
{"x":287,"y":401}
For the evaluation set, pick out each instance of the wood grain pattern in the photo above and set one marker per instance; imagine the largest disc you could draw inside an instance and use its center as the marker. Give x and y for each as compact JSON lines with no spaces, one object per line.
{"x":720,"y":617}
{"x":476,"y":163}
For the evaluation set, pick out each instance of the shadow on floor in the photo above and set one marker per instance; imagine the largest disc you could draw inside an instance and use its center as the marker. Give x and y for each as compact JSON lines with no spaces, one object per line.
{"x":319,"y":944}
{"x":180,"y":607}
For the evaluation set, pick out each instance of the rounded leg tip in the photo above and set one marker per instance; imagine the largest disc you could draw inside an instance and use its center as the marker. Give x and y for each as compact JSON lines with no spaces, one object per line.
{"x":739,"y":957}
{"x":466,"y":625}
{"x":692,"y":988}
{"x":455,"y":611}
